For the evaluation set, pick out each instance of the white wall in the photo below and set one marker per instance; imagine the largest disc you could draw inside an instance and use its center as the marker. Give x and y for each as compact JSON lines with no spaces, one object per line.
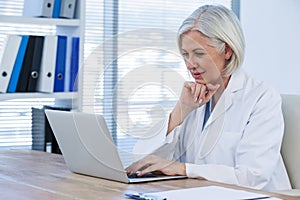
{"x":272,"y":32}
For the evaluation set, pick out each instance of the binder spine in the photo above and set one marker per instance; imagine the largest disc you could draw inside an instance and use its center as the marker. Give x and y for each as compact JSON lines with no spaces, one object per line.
{"x":60,"y":64}
{"x":36,"y":64}
{"x":47,"y":72}
{"x":38,"y":8}
{"x":74,"y":65}
{"x":8,"y":59}
{"x":18,"y":65}
{"x":26,"y":66}
{"x":56,"y":8}
{"x":67,"y":9}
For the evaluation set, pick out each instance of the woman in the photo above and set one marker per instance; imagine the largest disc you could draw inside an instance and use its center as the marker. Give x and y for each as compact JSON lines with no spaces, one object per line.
{"x":239,"y":142}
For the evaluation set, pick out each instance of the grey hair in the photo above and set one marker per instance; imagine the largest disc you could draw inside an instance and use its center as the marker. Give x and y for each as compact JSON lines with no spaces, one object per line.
{"x":222,"y":27}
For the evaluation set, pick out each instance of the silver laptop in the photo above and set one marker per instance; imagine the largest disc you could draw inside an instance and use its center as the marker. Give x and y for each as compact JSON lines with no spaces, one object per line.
{"x":88,"y":148}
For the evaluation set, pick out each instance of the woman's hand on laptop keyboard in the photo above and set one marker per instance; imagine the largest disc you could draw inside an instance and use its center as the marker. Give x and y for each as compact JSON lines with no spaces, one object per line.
{"x":152,"y":163}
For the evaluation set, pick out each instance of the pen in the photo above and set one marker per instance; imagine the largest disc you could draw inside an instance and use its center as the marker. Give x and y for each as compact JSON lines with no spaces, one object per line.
{"x":142,"y":196}
{"x":257,"y":198}
{"x":133,"y":196}
{"x":151,"y":197}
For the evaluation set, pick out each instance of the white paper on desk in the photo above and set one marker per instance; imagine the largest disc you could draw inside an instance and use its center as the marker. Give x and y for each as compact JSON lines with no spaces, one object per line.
{"x":209,"y":192}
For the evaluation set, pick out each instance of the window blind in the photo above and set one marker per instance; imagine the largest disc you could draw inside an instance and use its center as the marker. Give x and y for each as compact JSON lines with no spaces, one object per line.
{"x":15,"y":122}
{"x":133,"y":73}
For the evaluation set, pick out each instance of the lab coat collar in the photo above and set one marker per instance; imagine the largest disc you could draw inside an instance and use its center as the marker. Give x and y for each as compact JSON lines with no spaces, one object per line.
{"x":235,"y":84}
{"x":237,"y":81}
{"x":213,"y":128}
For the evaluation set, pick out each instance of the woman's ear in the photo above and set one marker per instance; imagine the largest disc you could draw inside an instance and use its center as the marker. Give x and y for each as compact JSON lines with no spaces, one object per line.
{"x":228,"y":52}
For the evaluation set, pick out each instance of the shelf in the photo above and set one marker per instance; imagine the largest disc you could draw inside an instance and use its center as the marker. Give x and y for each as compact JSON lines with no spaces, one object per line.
{"x":28,"y":95}
{"x":39,"y":21}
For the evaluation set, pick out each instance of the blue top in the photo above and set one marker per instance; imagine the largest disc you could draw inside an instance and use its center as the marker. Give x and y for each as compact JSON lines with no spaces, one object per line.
{"x":207,"y":113}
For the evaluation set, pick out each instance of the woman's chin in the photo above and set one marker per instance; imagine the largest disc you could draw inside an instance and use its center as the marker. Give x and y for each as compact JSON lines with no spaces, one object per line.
{"x":201,"y":81}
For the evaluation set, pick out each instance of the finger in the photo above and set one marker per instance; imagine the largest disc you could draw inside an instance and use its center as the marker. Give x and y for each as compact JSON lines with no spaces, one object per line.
{"x":202,"y":94}
{"x":202,"y":90}
{"x":163,"y":167}
{"x":130,"y":169}
{"x":133,"y":168}
{"x":191,"y":86}
{"x":197,"y":93}
{"x":149,"y":169}
{"x":156,"y":164}
{"x":142,"y":164}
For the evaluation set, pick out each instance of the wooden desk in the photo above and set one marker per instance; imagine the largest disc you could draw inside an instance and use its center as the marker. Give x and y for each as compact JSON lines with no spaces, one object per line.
{"x":40,"y":175}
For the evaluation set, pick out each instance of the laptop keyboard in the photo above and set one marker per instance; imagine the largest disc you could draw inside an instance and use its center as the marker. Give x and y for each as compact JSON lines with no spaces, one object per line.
{"x":144,"y":176}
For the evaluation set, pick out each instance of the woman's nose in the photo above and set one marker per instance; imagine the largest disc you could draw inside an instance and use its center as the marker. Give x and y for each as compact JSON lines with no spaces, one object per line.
{"x":190,"y":64}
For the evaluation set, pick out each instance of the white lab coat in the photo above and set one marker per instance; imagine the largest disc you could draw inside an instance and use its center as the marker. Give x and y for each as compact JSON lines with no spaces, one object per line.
{"x":240,"y":143}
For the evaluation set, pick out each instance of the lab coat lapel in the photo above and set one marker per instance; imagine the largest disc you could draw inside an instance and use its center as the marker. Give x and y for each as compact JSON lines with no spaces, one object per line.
{"x":214,"y":126}
{"x":215,"y":123}
{"x":223,"y":104}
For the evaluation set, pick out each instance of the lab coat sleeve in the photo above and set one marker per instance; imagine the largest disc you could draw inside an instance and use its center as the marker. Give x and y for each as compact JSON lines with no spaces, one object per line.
{"x":213,"y":172}
{"x":258,"y":151}
{"x":156,"y":142}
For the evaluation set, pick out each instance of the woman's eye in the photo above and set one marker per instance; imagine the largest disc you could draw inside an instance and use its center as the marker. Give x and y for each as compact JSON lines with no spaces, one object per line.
{"x":185,"y":55}
{"x":199,"y":54}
